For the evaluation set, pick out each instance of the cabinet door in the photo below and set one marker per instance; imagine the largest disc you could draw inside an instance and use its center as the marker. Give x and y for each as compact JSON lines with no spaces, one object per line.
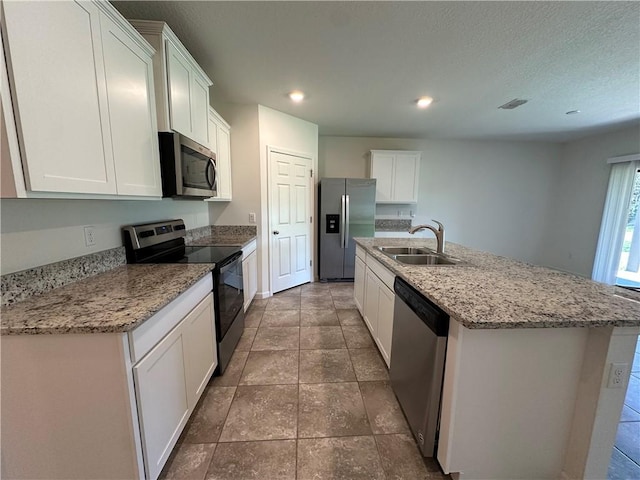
{"x":179,"y":78}
{"x":386,"y":301}
{"x":163,"y":404}
{"x":213,"y":134}
{"x":253,"y":275}
{"x":199,"y":100}
{"x":371,"y":286}
{"x":223,"y":162}
{"x":132,"y":112}
{"x":382,"y":171}
{"x":59,"y":89}
{"x":358,"y":284}
{"x":405,"y":178}
{"x":246,"y":283}
{"x":201,"y":348}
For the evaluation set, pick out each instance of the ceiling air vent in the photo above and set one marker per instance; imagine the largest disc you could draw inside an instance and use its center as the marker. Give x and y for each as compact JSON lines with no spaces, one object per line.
{"x":516,"y":102}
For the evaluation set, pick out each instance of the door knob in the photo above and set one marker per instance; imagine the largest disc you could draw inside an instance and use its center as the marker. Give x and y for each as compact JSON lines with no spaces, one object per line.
{"x":276,"y":232}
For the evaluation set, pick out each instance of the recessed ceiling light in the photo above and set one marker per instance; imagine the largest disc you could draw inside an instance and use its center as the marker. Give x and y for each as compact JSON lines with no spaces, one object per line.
{"x":572,"y":112}
{"x":296,"y":96}
{"x":424,"y":102}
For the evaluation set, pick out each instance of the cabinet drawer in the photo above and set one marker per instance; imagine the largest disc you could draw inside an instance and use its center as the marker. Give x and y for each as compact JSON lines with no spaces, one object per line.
{"x":249,"y":249}
{"x":361,"y":253}
{"x":381,"y":271}
{"x":143,"y":338}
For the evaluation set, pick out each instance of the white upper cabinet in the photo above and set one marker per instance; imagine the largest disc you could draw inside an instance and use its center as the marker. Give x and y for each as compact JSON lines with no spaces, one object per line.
{"x":397,"y":175}
{"x":81,"y":81}
{"x":134,"y":139}
{"x":220,"y":144}
{"x":182,"y":87}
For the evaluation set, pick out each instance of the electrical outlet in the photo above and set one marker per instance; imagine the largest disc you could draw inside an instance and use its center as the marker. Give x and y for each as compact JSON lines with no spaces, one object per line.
{"x":89,"y":236}
{"x":252,"y":217}
{"x":617,"y":375}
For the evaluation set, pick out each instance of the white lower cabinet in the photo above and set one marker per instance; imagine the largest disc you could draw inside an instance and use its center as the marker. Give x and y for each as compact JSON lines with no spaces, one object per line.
{"x":106,"y":405}
{"x":249,"y":273}
{"x":358,"y":284}
{"x":163,"y":406}
{"x":169,"y":381}
{"x":375,"y":299}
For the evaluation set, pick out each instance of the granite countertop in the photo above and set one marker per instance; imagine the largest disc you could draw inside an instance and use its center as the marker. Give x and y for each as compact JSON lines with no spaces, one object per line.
{"x":488,"y":291}
{"x":115,"y":301}
{"x":240,"y":239}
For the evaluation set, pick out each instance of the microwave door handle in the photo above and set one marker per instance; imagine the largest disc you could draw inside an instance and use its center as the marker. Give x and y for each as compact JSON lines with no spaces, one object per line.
{"x":211,"y":179}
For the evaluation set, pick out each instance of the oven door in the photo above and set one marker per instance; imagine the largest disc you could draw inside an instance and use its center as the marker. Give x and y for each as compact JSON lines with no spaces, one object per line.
{"x":230,"y":295}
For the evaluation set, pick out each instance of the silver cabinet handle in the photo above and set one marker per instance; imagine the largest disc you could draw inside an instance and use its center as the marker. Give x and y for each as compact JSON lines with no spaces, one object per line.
{"x":276,"y":232}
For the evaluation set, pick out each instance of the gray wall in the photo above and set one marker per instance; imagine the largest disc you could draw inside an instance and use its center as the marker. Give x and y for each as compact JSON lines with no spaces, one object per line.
{"x":578,"y":198}
{"x":37,"y":232}
{"x":493,"y":196}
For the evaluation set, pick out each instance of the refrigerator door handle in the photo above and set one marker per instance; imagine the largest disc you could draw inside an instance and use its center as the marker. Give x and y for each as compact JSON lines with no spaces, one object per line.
{"x":346,"y":222}
{"x":342,"y":215}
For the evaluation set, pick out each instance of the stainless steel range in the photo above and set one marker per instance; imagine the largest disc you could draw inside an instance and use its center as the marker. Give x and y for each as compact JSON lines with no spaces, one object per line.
{"x":163,"y":242}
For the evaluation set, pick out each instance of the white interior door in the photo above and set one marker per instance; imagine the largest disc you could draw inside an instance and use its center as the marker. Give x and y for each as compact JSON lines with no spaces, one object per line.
{"x":290,"y":220}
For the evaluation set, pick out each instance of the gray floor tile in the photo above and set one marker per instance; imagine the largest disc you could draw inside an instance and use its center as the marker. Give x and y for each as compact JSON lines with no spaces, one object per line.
{"x":632,"y":398}
{"x":331,"y":409}
{"x":314,"y":287}
{"x":622,"y":468}
{"x":188,"y":462}
{"x":284,"y":303}
{"x":271,"y":368}
{"x":262,"y":413}
{"x":316,"y":338}
{"x":259,"y":303}
{"x":231,"y":375}
{"x":400,"y":457}
{"x":252,"y":317}
{"x":324,"y":302}
{"x":246,"y":340}
{"x":345,"y":458}
{"x":277,"y":338}
{"x":368,"y":365}
{"x":628,"y":440}
{"x":273,"y":460}
{"x":281,"y":318}
{"x":629,"y":414}
{"x":318,"y":317}
{"x":325,"y":366}
{"x":206,"y":422}
{"x":382,"y":408}
{"x":342,"y":293}
{"x":344,"y":302}
{"x":357,"y":336}
{"x":350,"y":316}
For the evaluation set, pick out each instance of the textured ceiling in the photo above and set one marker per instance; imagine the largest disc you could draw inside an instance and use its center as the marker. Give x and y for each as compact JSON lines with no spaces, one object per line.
{"x":363,"y":64}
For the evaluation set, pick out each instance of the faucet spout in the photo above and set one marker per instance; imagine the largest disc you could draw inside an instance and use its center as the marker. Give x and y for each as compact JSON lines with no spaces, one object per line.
{"x":439,"y":233}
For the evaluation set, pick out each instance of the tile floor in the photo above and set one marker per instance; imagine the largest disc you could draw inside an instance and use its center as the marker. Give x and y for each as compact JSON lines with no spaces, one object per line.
{"x":305,"y":396}
{"x":625,"y":459}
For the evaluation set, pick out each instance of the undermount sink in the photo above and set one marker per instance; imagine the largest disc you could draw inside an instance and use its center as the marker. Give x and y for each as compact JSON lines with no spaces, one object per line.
{"x":405,"y":250}
{"x":425,"y":259}
{"x":417,"y":256}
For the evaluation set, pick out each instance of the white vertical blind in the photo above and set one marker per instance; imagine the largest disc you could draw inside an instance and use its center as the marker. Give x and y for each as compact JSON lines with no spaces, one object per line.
{"x":614,"y":218}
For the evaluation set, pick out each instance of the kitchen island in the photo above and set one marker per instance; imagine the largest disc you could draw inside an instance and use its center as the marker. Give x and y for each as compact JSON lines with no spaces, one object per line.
{"x":525,"y":391}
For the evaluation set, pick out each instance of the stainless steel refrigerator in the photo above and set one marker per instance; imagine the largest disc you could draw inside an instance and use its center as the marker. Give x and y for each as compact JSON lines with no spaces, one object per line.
{"x":347,"y":210}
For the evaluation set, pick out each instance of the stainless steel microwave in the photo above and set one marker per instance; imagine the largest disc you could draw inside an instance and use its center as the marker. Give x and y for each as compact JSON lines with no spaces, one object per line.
{"x":188,"y":169}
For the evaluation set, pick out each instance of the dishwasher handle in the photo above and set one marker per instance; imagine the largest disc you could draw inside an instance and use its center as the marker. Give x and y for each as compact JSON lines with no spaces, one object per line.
{"x":430,"y":314}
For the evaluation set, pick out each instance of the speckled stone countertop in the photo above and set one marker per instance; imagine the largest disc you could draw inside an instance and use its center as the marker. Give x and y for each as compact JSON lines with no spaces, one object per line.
{"x":116,"y":301}
{"x":488,"y":291}
{"x":241,"y":240}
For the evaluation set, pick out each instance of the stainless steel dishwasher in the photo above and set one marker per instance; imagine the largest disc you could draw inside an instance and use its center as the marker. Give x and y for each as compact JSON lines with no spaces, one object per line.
{"x":418,"y":349}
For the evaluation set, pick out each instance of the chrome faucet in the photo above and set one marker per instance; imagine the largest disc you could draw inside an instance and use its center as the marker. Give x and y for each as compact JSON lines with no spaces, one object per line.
{"x":439,"y":233}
